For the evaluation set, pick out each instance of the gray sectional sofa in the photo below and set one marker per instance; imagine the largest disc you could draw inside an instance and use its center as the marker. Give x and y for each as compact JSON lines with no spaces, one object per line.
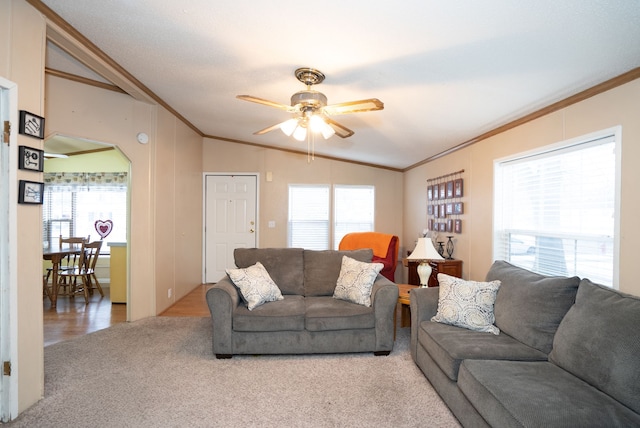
{"x":308,"y":319}
{"x":568,"y":354}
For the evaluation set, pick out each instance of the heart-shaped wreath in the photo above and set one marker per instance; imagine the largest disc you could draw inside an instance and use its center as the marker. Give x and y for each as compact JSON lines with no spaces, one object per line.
{"x":103,"y":227}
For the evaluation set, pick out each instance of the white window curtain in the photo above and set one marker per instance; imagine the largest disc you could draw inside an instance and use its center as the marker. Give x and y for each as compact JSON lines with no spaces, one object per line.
{"x":555,"y":211}
{"x":74,"y":201}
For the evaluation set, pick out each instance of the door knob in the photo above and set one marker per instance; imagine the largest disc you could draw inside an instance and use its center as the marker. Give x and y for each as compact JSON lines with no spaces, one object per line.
{"x":251,"y":230}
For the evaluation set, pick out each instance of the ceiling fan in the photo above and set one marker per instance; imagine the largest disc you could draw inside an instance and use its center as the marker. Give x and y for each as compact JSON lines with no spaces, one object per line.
{"x":310,"y":110}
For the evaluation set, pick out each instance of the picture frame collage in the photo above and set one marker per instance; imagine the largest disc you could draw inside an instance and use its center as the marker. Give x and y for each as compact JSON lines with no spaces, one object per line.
{"x":31,"y":159}
{"x":444,"y":203}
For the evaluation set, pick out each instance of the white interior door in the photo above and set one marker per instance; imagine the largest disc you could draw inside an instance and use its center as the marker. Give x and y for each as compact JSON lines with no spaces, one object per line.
{"x":230,"y":220}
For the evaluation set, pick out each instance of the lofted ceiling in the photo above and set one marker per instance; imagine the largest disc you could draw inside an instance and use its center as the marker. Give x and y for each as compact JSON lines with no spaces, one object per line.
{"x":447,"y":71}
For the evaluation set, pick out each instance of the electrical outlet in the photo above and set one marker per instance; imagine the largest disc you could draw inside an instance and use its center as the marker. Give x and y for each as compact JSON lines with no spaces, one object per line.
{"x":169,"y":292}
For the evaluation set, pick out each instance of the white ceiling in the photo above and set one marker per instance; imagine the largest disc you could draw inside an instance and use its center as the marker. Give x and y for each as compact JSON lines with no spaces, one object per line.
{"x":447,"y":71}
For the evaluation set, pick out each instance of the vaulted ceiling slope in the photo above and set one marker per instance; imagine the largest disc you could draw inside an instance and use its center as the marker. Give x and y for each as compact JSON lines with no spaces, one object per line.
{"x":447,"y":71}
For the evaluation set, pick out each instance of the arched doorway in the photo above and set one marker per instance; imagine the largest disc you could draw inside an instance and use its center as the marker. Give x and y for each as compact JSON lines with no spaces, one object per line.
{"x":86,"y":182}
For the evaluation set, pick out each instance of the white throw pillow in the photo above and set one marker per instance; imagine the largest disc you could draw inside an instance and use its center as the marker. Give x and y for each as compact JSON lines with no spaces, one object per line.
{"x":356,"y":281}
{"x":255,"y":285}
{"x":467,"y":304}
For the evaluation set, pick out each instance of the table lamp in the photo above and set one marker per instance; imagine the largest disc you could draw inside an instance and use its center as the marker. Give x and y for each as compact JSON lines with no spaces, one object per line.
{"x":424,"y":251}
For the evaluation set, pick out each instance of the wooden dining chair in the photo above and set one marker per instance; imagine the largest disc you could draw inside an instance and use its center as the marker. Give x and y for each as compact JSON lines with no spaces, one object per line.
{"x":85,"y":271}
{"x":70,"y":262}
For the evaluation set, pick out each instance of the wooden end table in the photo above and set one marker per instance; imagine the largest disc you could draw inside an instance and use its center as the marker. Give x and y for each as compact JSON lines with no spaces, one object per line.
{"x":405,"y":311}
{"x":403,"y":299}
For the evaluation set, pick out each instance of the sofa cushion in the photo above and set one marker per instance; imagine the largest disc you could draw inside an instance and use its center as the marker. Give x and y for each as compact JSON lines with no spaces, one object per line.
{"x":322,"y":268}
{"x":255,"y":285}
{"x":530,"y":306}
{"x":538,"y":394}
{"x":356,"y":280}
{"x":448,"y":346}
{"x":467,"y":304}
{"x":282,"y":315}
{"x":326,"y":313}
{"x":599,"y":341}
{"x":285,"y":265}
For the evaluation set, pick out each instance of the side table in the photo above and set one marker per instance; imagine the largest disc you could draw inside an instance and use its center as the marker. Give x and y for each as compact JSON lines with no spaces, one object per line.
{"x":450,"y":267}
{"x":405,"y":310}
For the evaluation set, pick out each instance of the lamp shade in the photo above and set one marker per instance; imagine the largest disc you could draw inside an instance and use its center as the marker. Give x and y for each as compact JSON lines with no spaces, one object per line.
{"x":424,"y":251}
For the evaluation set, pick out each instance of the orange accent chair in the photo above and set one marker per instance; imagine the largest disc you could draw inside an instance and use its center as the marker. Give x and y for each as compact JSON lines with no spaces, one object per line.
{"x":385,"y":249}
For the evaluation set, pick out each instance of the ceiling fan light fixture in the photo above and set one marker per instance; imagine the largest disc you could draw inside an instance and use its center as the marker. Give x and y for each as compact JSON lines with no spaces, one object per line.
{"x":327,"y":131}
{"x":316,"y":123}
{"x":289,"y":126}
{"x":300,"y":133}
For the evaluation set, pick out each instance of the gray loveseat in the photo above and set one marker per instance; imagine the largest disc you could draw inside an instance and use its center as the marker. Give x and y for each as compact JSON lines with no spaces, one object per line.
{"x":568,"y":354}
{"x":309,"y":319}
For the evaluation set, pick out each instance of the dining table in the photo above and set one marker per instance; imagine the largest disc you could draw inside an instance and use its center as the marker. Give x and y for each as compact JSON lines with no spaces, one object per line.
{"x":56,"y":253}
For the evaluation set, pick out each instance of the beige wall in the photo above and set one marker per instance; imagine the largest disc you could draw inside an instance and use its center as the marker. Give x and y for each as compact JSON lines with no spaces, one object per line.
{"x":165,"y":227}
{"x":289,"y":168}
{"x":22,"y":41}
{"x":619,"y":106}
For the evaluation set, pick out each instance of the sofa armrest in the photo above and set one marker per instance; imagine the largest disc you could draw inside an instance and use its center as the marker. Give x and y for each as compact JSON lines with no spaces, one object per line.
{"x":424,"y":305}
{"x":222,"y":299}
{"x":384,"y":298}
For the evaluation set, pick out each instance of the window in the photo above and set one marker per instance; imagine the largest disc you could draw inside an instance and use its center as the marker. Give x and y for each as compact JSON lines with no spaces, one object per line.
{"x":555,"y":210}
{"x":73,"y":202}
{"x":311,"y":224}
{"x":309,"y":217}
{"x":353,"y":211}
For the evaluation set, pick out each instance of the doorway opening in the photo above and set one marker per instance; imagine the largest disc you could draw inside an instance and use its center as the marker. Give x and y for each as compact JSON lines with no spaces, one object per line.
{"x":87,"y":186}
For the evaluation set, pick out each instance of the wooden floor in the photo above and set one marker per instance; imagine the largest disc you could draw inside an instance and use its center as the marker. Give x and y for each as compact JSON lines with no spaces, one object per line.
{"x":74,"y":318}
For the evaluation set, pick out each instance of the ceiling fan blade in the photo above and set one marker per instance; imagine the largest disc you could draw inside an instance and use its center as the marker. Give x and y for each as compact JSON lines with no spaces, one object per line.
{"x":371,"y":104}
{"x":268,"y":129}
{"x":265,"y":102}
{"x":341,"y":131}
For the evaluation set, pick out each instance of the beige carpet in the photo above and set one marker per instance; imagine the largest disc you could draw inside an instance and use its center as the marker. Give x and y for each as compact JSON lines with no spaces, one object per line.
{"x":160,"y":372}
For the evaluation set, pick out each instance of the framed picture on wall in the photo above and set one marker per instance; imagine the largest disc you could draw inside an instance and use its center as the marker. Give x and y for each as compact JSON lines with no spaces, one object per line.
{"x":30,"y":192}
{"x":31,"y":124}
{"x":443,"y":210}
{"x":449,"y":189}
{"x":429,"y":193}
{"x":457,"y":226}
{"x":429,"y":209}
{"x":449,"y":225}
{"x":457,"y":188}
{"x":458,"y":208}
{"x":30,"y":159}
{"x":448,"y":208}
{"x":443,"y":190}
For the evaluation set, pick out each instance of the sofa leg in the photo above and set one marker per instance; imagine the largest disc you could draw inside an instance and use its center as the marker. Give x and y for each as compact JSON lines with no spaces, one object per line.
{"x":381,"y":353}
{"x":223,"y":356}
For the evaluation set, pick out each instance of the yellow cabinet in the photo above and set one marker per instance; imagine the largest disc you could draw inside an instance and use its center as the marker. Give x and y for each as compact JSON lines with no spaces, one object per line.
{"x":118,"y":272}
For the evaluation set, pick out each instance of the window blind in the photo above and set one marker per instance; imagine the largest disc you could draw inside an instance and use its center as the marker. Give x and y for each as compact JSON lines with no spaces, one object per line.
{"x":308,"y":217}
{"x":353,"y":210}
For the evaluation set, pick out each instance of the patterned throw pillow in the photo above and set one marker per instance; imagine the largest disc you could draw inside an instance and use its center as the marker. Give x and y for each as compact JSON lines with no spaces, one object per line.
{"x":356,"y":281}
{"x":255,"y":285}
{"x":467,"y":304}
